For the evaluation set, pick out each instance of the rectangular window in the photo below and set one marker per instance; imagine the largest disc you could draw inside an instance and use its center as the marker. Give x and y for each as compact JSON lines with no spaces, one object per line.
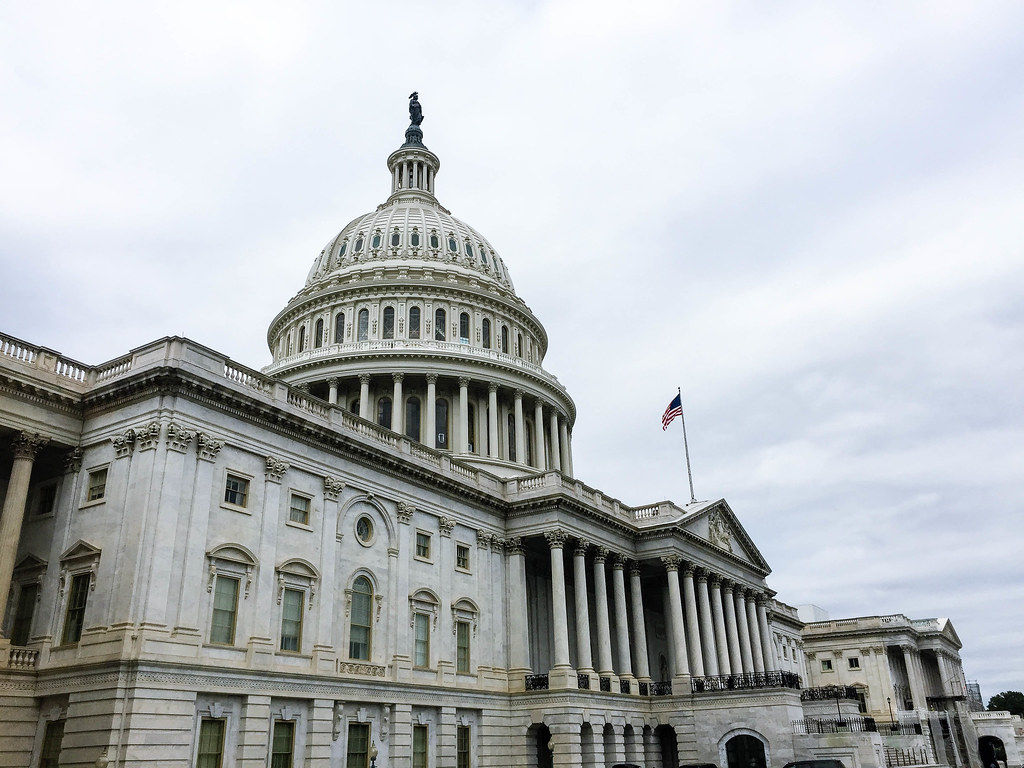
{"x":419,"y":746}
{"x":826,"y":665}
{"x":291,"y":620}
{"x":97,"y":486}
{"x":299,"y":512}
{"x":236,"y":491}
{"x":862,"y":701}
{"x":423,"y":545}
{"x":421,"y":651}
{"x":854,"y":662}
{"x":74,"y":618}
{"x":211,"y":743}
{"x":462,"y":557}
{"x":358,"y":746}
{"x":21,"y":628}
{"x":462,"y":759}
{"x":462,"y":647}
{"x":46,"y":497}
{"x":225,"y":610}
{"x":49,"y":755}
{"x":282,"y":744}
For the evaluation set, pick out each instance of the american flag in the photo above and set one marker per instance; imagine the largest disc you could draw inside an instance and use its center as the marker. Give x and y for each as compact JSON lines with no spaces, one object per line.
{"x":675,"y":408}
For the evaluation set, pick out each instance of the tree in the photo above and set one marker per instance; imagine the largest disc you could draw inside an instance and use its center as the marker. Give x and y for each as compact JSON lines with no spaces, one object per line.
{"x":1009,"y":701}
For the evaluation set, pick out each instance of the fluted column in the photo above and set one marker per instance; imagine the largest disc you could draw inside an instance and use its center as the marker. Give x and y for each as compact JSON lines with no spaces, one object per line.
{"x":718,"y":618}
{"x":492,"y":421}
{"x":584,"y":659}
{"x":563,"y":443}
{"x":567,"y":462}
{"x":463,"y":446}
{"x":742,"y":629}
{"x":24,"y":446}
{"x":643,"y":671}
{"x":364,"y":396}
{"x":707,"y":628}
{"x":755,"y":635}
{"x":520,"y":428}
{"x":397,"y":411}
{"x":518,"y":643}
{"x":555,"y":456}
{"x":675,"y":620}
{"x":431,"y":406}
{"x":538,"y":434}
{"x":692,"y":628}
{"x":332,"y":395}
{"x":559,"y":617}
{"x":764,"y":630}
{"x":621,"y":619}
{"x":604,"y":635}
{"x":732,"y":634}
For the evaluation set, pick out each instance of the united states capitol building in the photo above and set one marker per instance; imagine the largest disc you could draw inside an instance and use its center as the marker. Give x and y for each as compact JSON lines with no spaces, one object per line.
{"x":375,"y":551}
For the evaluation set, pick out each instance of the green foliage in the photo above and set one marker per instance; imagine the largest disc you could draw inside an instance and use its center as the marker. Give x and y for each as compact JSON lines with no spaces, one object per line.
{"x":1009,"y":701}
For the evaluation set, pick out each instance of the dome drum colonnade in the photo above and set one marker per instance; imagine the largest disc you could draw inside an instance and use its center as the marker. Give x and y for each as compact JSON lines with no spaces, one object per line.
{"x":718,"y":633}
{"x":409,"y":319}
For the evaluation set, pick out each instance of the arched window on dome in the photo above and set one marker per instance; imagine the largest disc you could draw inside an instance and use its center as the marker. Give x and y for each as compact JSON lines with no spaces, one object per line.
{"x":504,"y":339}
{"x":529,"y":443}
{"x":412,"y":418}
{"x":318,"y":333}
{"x":359,"y":244}
{"x":375,"y":242}
{"x":339,"y":328}
{"x":435,"y":242}
{"x":464,"y":328}
{"x":414,"y":238}
{"x":485,"y":327}
{"x":363,"y":325}
{"x":341,"y":251}
{"x":414,"y":322}
{"x":384,"y":412}
{"x":469,"y":249}
{"x":388,"y":325}
{"x":440,"y":325}
{"x":302,"y":338}
{"x":453,"y":246}
{"x":483,"y":256}
{"x":519,"y":344}
{"x":511,"y":431}
{"x":441,"y":423}
{"x":360,"y":632}
{"x":471,"y":416}
{"x":396,"y":239}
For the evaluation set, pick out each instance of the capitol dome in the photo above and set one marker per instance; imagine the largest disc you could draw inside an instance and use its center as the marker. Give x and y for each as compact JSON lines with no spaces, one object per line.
{"x":409,"y":318}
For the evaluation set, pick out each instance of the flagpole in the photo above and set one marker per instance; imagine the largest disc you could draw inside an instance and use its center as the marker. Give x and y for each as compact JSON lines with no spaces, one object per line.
{"x":686,"y":447}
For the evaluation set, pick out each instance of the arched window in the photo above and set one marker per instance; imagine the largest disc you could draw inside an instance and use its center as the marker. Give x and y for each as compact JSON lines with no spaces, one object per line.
{"x":388,"y":326}
{"x":464,"y":328}
{"x":511,"y":437}
{"x":519,"y":344}
{"x":318,"y":334}
{"x":471,"y":415}
{"x":375,"y":242}
{"x":469,"y":249}
{"x":359,"y":244}
{"x":339,"y":328}
{"x":529,"y":443}
{"x":414,"y":239}
{"x":504,"y":339}
{"x":302,"y":338}
{"x":361,"y":631}
{"x":384,"y":412}
{"x":452,"y":245}
{"x":440,"y":325}
{"x":341,"y":251}
{"x":485,"y":326}
{"x":412,"y":418}
{"x":414,"y":322}
{"x":395,"y":239}
{"x":364,"y":325}
{"x":434,"y":242}
{"x":483,"y":256}
{"x":441,"y":422}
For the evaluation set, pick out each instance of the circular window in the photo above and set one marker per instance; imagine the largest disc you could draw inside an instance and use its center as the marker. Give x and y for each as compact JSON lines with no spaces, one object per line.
{"x":364,"y":530}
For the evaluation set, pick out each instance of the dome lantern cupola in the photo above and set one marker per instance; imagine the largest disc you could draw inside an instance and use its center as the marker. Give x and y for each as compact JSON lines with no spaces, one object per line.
{"x":413,"y":166}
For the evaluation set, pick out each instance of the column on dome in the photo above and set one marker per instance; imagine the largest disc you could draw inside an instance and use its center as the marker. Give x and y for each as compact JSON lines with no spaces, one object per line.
{"x":415,"y":175}
{"x":563,"y":440}
{"x":480,"y":447}
{"x":493,"y":444}
{"x":332,"y":395}
{"x":621,"y":620}
{"x":24,"y":447}
{"x":707,"y":629}
{"x":742,"y":629}
{"x":364,"y":396}
{"x":765,"y":633}
{"x":755,"y":634}
{"x":520,"y":428}
{"x":463,"y":446}
{"x":604,"y":635}
{"x":559,"y":615}
{"x":677,"y":635}
{"x":732,"y":634}
{"x":397,"y":409}
{"x":554,"y":453}
{"x":430,"y":406}
{"x":692,"y":627}
{"x":584,"y":659}
{"x":568,"y":454}
{"x":642,"y":666}
{"x":718,"y":618}
{"x":538,"y":433}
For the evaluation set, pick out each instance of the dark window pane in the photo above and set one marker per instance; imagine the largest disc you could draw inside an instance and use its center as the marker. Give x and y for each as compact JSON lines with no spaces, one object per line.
{"x":412,"y":418}
{"x":414,"y":322}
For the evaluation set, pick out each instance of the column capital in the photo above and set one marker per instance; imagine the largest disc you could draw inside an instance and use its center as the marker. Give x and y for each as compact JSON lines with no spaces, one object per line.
{"x":397,"y":376}
{"x":728,"y":585}
{"x":634,"y":568}
{"x":541,"y":403}
{"x":73,"y":460}
{"x":580,"y":548}
{"x":405,"y":513}
{"x":671,"y":562}
{"x":702,"y":576}
{"x":618,"y":561}
{"x":333,"y":381}
{"x":431,"y":378}
{"x":463,"y":381}
{"x":492,"y":387}
{"x":762,"y":598}
{"x":689,"y":570}
{"x":27,"y":444}
{"x":556,"y":538}
{"x":518,"y":394}
{"x":600,"y":554}
{"x":364,"y":378}
{"x":514,"y":546}
{"x":715,"y":579}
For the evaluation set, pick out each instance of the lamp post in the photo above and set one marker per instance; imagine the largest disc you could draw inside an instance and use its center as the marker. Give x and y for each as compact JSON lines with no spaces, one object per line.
{"x":373,"y":755}
{"x":892,"y":719}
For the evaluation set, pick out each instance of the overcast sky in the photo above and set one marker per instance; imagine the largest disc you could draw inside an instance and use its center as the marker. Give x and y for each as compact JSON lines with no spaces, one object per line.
{"x":808,"y":215}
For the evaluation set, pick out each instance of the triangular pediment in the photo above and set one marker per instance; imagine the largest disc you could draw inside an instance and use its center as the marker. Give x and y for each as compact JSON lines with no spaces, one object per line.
{"x":717,"y":524}
{"x":80,"y":550}
{"x":30,"y":564}
{"x":946,"y":628}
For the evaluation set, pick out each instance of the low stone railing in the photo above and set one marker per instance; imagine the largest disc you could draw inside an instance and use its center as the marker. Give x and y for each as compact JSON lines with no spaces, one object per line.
{"x":23,"y":658}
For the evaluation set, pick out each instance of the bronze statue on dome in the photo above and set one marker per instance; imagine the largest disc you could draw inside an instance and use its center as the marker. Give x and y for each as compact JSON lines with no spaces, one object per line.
{"x":415,"y":110}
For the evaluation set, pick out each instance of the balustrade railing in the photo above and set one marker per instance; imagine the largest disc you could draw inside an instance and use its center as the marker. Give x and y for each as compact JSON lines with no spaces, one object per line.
{"x":605,"y":684}
{"x":536,"y":682}
{"x":661,"y":688}
{"x":826,"y":692}
{"x":583,"y":681}
{"x":747,"y":680}
{"x":22,"y":658}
